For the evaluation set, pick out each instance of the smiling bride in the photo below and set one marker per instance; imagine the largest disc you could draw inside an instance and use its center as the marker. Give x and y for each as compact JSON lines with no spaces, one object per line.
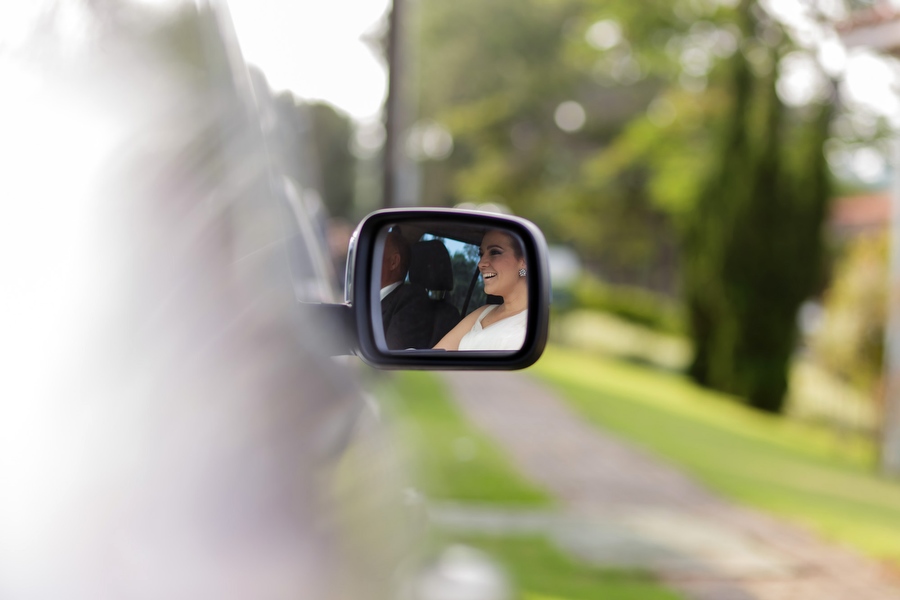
{"x":496,"y":326}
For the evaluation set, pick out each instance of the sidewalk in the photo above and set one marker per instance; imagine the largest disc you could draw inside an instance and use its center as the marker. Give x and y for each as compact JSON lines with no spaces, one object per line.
{"x":621,"y":507}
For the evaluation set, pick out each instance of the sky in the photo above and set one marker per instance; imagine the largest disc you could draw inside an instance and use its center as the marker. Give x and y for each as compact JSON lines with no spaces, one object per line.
{"x":316,"y":49}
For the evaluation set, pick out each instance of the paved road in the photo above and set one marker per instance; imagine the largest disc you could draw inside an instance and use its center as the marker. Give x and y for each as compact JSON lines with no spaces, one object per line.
{"x":623,"y":508}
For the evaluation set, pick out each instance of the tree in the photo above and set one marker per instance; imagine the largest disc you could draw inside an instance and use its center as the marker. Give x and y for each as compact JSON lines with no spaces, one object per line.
{"x":315,"y":150}
{"x":850,"y":340}
{"x":752,"y":251}
{"x":465,"y":267}
{"x":495,"y":76}
{"x":683,"y":141}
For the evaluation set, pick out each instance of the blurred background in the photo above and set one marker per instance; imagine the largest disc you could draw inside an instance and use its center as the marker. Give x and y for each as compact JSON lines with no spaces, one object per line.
{"x":713,"y":175}
{"x":714,"y":178}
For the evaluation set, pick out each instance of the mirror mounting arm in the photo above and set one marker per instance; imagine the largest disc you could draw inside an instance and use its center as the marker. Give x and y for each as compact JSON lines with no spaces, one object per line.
{"x":336,"y":335}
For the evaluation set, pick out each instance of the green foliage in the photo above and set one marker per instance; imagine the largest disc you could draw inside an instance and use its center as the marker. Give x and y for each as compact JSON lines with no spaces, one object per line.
{"x":606,"y":334}
{"x":753,"y":248}
{"x":315,"y":151}
{"x":332,"y":131}
{"x":813,"y":475}
{"x":633,"y":304}
{"x":615,"y":189}
{"x":465,"y":265}
{"x":490,"y":73}
{"x":850,"y":341}
{"x":494,"y":74}
{"x":674,"y":144}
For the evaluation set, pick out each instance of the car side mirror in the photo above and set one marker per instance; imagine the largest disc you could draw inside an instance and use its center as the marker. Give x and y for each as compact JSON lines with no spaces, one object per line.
{"x":437,"y":288}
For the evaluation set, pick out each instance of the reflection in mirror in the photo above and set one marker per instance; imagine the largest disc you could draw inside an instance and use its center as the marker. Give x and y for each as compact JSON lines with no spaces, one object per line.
{"x":452,"y":286}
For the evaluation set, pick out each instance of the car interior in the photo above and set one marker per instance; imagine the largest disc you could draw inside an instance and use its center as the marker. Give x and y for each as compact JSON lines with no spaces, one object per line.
{"x":444,"y":260}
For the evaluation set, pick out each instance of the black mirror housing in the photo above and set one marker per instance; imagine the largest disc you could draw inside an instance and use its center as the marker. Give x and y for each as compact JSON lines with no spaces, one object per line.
{"x":364,"y":263}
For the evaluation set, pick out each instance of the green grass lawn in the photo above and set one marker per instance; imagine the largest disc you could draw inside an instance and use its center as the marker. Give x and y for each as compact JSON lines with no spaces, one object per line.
{"x":815,"y":394}
{"x":453,"y":461}
{"x":542,"y":572}
{"x":804,"y":472}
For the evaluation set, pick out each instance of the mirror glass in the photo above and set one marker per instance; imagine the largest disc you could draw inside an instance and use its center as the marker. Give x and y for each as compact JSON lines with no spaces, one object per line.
{"x":451,"y":286}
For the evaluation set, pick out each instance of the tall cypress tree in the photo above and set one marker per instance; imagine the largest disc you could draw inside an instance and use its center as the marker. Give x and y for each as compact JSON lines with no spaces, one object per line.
{"x":753,"y":247}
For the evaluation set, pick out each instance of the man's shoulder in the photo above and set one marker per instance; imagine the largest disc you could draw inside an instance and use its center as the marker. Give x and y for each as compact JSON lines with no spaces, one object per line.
{"x":404,"y":294}
{"x":410,"y":291}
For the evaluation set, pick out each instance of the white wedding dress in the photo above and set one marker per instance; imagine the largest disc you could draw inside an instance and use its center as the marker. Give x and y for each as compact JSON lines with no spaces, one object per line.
{"x":505,"y":334}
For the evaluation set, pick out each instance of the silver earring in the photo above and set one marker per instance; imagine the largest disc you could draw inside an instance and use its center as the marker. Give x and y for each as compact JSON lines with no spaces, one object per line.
{"x":522,"y":272}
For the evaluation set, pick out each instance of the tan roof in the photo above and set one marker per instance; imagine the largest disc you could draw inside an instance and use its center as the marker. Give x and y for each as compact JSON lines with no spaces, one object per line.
{"x":879,"y":13}
{"x":877,"y":27}
{"x":861,"y":213}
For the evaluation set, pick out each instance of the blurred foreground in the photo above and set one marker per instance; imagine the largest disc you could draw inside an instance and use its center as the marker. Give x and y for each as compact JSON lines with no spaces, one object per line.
{"x":518,"y":465}
{"x":167,"y":427}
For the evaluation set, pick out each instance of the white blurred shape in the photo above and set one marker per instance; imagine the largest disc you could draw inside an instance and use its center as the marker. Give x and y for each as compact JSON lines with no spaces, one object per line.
{"x":725,"y":44}
{"x":800,"y":80}
{"x":496,"y":206}
{"x":428,"y":140}
{"x":604,"y":34}
{"x":868,"y":164}
{"x":52,"y":153}
{"x":17,"y":19}
{"x":368,"y":138}
{"x":789,"y":12}
{"x":834,"y":10}
{"x":316,"y":49}
{"x":565,"y":265}
{"x":872,"y":81}
{"x":695,"y":61}
{"x":832,"y":56}
{"x":462,"y":573}
{"x":810,"y":317}
{"x":570,"y":116}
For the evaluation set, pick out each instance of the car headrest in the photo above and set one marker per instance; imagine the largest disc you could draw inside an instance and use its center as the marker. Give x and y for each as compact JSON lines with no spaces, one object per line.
{"x":430,"y":266}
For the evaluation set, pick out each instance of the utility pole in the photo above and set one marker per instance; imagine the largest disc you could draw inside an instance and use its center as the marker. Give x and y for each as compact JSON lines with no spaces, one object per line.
{"x":878,"y":27}
{"x":400,"y":174}
{"x":890,"y":431}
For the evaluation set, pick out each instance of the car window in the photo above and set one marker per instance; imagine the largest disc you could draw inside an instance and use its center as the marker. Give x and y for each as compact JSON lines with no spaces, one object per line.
{"x":468,"y":288}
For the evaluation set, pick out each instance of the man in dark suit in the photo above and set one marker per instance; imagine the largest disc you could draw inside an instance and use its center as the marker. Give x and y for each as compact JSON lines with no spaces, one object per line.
{"x":405,"y":308}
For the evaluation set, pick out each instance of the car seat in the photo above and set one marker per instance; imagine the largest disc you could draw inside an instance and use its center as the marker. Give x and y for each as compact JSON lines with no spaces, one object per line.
{"x":430,"y":267}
